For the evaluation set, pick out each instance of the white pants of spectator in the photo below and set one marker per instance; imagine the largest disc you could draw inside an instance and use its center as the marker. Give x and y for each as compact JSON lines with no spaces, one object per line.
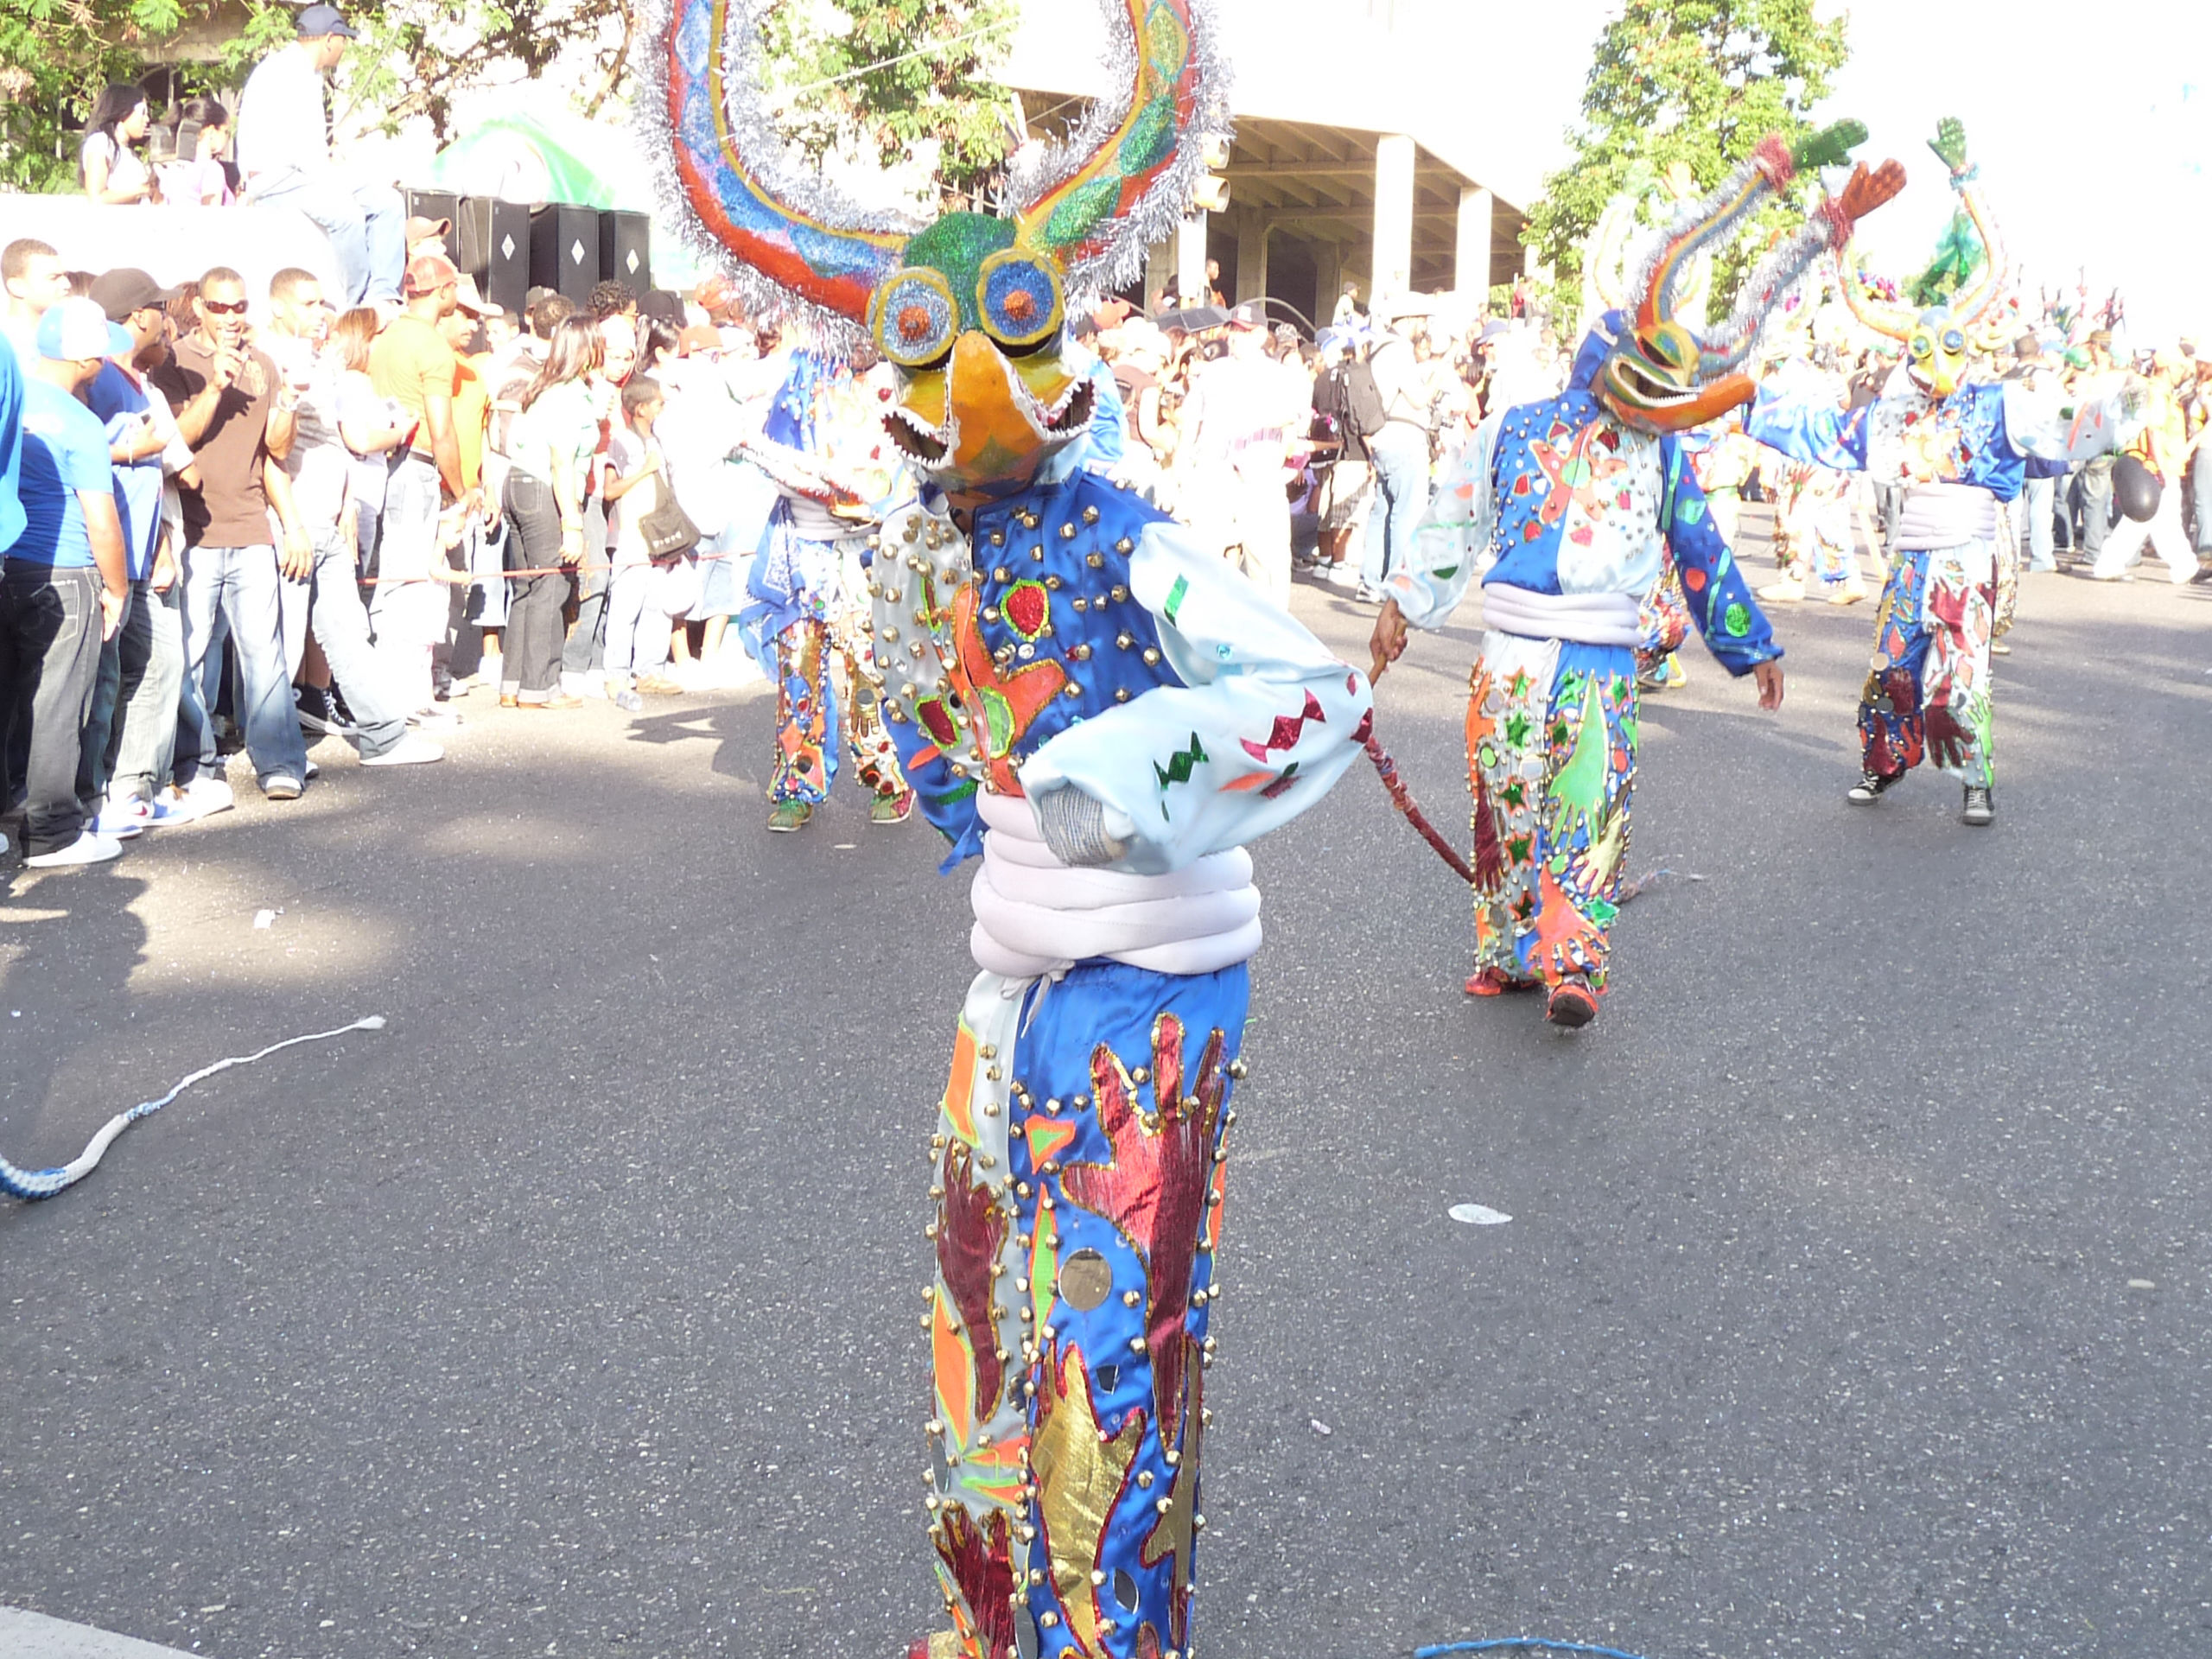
{"x":409,"y":611}
{"x":2162,"y":530}
{"x":642,"y":605}
{"x":1262,"y":521}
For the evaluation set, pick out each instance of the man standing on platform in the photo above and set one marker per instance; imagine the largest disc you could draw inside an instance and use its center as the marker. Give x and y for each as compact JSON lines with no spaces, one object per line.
{"x":283,"y":150}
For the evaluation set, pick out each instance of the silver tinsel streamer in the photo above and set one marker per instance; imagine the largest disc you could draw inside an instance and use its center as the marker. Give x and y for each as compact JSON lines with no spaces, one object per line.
{"x":760,"y":152}
{"x":1162,"y":208}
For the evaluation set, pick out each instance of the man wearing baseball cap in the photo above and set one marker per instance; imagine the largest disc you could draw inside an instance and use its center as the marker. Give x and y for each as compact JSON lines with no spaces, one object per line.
{"x":63,"y":589}
{"x":283,"y":150}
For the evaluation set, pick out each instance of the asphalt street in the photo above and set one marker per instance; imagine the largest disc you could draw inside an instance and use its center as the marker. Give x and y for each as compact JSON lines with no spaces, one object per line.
{"x":1854,"y":1299}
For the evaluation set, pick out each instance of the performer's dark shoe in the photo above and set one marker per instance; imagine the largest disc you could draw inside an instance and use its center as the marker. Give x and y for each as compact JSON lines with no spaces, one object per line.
{"x":1980,"y":808}
{"x":1869,"y":787}
{"x":1494,"y":981}
{"x":1572,"y":1004}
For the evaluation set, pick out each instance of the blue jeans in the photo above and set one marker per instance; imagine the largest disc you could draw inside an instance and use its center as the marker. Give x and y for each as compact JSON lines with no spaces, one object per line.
{"x":366,"y":225}
{"x":328,"y":598}
{"x":232,"y":592}
{"x":1400,"y":455}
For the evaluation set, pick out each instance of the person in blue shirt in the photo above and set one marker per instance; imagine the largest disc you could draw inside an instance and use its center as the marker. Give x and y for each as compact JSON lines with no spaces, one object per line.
{"x":11,"y":437}
{"x":65,"y":585}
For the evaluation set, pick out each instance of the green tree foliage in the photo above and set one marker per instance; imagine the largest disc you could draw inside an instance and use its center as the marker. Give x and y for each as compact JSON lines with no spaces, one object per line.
{"x":883,"y":74}
{"x":1697,"y":82}
{"x":55,"y":55}
{"x":887,"y":74}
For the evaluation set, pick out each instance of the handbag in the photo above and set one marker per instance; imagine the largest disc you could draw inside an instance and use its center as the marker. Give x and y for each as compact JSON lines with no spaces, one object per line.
{"x":667,"y":530}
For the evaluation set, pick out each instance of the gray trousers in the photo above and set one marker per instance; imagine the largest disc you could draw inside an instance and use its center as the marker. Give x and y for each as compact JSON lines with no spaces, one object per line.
{"x":328,"y":598}
{"x":131,"y":737}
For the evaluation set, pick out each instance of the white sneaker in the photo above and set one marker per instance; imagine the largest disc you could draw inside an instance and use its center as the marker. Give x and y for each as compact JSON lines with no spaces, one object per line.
{"x":118,"y":823}
{"x":202,"y":797}
{"x":434,"y":720}
{"x":411,"y":750}
{"x":148,"y":815}
{"x":280,"y":786}
{"x":87,"y":849}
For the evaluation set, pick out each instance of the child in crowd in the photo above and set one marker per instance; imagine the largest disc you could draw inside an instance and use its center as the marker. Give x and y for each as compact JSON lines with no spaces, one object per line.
{"x":637,"y":482}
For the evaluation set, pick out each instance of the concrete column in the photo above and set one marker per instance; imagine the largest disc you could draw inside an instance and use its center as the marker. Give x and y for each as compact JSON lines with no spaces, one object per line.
{"x":1191,"y":258}
{"x":1393,"y":264}
{"x":1251,"y":255}
{"x":1471,"y":261}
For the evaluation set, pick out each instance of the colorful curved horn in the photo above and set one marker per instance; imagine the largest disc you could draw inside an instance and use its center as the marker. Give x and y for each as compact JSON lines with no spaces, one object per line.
{"x":1970,"y":307}
{"x":734,"y":188}
{"x":1880,"y":315}
{"x":1122,"y":179}
{"x":1767,"y":173}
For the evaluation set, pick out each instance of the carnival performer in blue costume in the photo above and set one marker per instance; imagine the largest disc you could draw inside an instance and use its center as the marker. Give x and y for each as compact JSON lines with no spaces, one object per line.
{"x":1959,"y":450}
{"x":837,"y":473}
{"x":1573,"y":510}
{"x":1106,"y":713}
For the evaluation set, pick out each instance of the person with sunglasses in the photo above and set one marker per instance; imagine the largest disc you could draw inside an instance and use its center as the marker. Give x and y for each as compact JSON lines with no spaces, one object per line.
{"x":225,"y":393}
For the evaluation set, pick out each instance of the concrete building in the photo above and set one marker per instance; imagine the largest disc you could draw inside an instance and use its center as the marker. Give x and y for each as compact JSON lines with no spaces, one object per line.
{"x":1360,"y":151}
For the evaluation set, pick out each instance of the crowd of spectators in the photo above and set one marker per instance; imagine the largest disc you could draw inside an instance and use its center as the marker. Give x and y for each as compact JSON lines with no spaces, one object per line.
{"x":234,"y":520}
{"x":265,"y":521}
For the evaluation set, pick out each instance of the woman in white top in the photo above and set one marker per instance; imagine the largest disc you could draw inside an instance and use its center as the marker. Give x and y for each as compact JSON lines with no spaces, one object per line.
{"x":112,"y":169}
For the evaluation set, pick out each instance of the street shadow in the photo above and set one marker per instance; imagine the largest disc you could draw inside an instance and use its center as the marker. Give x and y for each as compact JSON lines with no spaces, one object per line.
{"x":69,"y":943}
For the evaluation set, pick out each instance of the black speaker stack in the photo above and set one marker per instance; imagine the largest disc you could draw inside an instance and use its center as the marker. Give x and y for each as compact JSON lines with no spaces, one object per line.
{"x":511,"y":247}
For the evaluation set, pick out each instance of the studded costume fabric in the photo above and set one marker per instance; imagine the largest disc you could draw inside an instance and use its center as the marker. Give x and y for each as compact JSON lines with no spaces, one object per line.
{"x":1101,"y":709}
{"x":1559,"y":499}
{"x":1082,"y":640}
{"x":1928,"y":693}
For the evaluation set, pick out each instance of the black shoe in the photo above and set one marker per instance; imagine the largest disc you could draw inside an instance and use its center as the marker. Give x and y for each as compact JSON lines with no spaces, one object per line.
{"x":1869,"y":788}
{"x":1981,"y":809}
{"x":317,"y":717}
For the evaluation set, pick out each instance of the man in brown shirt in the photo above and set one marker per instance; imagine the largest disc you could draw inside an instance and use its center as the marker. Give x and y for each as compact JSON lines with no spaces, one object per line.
{"x":225,"y":395}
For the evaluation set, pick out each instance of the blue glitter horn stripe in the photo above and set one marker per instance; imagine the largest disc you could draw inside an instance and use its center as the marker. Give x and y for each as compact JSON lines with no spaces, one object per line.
{"x":33,"y":1183}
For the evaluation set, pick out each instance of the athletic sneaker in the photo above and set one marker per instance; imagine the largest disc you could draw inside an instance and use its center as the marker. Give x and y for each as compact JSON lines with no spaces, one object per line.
{"x":118,"y":823}
{"x":627,"y":700}
{"x":1980,"y":808}
{"x":87,"y":849}
{"x":1342,"y":574}
{"x":317,"y":717}
{"x":280,"y":786}
{"x":148,"y":815}
{"x":1869,"y":787}
{"x":434,"y":720}
{"x":202,"y":797}
{"x":412,"y":750}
